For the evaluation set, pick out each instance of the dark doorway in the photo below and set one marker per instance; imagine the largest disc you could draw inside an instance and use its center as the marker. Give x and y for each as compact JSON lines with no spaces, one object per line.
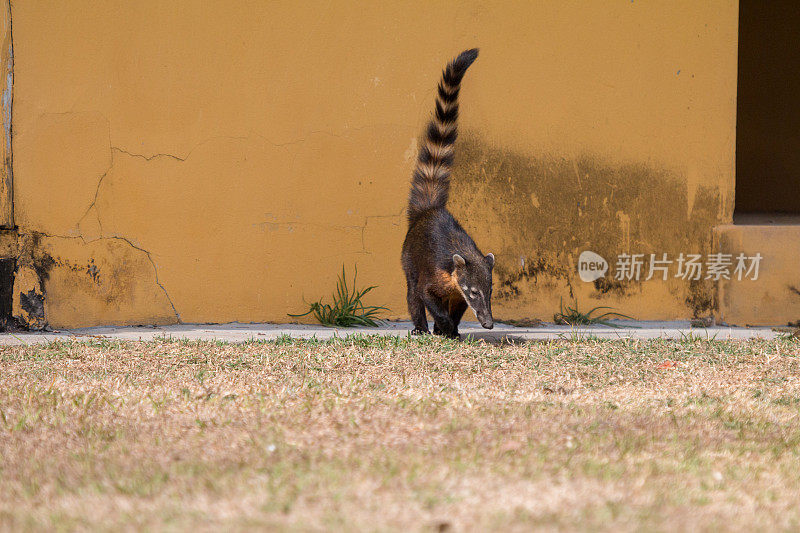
{"x":768,"y":109}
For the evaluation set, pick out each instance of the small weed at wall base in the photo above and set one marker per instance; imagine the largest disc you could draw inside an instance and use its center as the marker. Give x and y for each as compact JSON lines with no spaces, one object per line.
{"x":348,"y":308}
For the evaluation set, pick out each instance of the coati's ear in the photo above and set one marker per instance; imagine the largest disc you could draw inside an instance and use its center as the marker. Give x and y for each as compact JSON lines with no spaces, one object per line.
{"x":458,"y":261}
{"x":490,"y":260}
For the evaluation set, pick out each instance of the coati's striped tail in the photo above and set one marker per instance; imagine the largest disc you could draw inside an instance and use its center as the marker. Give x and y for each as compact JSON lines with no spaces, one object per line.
{"x":430,"y":184}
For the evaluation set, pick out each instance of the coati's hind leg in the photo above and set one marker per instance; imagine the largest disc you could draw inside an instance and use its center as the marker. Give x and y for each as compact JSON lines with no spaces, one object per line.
{"x":416,"y":308}
{"x":443,"y":325}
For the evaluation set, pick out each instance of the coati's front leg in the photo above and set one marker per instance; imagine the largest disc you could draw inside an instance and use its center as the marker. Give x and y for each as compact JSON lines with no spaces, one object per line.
{"x":456,"y":312}
{"x":416,"y":308}
{"x":443,"y":324}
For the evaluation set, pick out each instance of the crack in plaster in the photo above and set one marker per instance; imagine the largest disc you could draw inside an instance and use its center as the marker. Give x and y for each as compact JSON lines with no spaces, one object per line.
{"x":252,"y":135}
{"x":290,"y":225}
{"x":116,"y":149}
{"x":366,"y":221}
{"x":93,"y":205}
{"x":155,"y":272}
{"x":145,"y":157}
{"x":362,"y":228}
{"x":132,"y":245}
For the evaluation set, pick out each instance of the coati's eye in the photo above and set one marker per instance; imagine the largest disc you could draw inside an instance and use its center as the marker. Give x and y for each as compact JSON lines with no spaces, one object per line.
{"x":473,"y":293}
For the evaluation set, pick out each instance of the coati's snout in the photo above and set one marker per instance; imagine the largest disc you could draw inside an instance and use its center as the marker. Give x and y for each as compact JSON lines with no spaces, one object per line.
{"x":474,"y":278}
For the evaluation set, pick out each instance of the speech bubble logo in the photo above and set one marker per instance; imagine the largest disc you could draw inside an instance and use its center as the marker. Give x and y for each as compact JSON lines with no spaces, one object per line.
{"x":591,"y":266}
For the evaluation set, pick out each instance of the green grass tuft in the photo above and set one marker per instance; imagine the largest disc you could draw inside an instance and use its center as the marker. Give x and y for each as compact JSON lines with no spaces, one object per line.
{"x":348,"y":308}
{"x":571,"y":316}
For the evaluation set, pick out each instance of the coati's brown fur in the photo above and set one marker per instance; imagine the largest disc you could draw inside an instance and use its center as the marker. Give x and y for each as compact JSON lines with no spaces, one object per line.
{"x":445,"y":271}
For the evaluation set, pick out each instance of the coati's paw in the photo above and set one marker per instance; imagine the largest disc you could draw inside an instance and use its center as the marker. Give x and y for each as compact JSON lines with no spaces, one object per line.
{"x":418,"y":331}
{"x":453,"y":335}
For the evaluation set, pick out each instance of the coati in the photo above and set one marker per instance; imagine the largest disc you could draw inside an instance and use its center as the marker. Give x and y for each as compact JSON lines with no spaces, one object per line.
{"x":445,"y":271}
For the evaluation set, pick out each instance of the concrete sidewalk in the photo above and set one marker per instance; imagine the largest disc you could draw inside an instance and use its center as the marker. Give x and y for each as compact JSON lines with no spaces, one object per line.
{"x":236,"y":332}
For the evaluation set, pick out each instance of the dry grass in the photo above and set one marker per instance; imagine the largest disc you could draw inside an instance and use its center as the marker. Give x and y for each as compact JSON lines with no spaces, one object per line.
{"x":401,"y":434}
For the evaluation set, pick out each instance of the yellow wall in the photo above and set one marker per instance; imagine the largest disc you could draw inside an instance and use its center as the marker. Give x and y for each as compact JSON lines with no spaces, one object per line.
{"x":220,"y":161}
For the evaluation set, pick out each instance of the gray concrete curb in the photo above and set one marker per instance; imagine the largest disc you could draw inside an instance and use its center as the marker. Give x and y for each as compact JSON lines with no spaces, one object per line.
{"x":236,"y":332}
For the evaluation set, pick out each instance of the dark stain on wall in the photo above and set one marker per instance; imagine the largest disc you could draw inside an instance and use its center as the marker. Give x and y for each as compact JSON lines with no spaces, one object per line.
{"x":93,"y":271}
{"x":32,"y":254}
{"x":608,"y":285}
{"x":112,"y":280}
{"x":538,"y":212}
{"x":32,"y":303}
{"x":43,"y":263}
{"x":7,"y":267}
{"x":702,"y":297}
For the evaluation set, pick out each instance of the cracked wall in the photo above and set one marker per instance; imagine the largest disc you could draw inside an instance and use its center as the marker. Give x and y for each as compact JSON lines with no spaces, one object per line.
{"x":197,"y":162}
